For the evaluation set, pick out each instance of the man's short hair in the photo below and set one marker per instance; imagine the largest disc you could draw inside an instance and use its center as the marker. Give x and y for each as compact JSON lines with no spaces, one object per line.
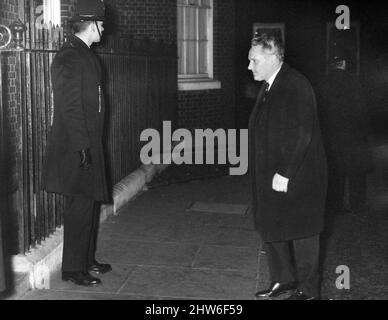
{"x":81,"y":26}
{"x":272,"y":42}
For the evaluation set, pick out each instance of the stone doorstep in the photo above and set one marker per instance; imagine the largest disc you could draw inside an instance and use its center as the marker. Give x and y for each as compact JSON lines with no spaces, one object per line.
{"x":45,"y":259}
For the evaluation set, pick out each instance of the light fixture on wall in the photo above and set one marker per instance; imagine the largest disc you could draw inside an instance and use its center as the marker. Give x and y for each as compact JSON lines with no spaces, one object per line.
{"x":5,"y":37}
{"x":18,"y":29}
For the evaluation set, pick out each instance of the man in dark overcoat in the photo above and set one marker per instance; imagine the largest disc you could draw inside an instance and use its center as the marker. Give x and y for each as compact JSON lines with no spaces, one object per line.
{"x":75,"y":159}
{"x":345,"y":128}
{"x":288,"y":169}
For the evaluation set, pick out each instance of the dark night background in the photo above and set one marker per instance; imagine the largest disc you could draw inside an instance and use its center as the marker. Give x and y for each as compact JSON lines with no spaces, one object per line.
{"x":305,"y":30}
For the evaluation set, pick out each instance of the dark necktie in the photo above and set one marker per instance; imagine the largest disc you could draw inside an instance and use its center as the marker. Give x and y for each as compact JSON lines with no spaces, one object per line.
{"x":266,"y":90}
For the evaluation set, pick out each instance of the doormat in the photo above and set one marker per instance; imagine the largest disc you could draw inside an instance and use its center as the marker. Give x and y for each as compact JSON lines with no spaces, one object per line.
{"x":212,"y":207}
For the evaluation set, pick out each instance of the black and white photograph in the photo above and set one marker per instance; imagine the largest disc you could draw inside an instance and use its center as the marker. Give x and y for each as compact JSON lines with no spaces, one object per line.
{"x":211,"y":154}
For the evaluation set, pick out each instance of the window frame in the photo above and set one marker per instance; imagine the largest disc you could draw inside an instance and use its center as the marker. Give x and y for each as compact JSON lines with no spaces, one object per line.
{"x":197,"y":77}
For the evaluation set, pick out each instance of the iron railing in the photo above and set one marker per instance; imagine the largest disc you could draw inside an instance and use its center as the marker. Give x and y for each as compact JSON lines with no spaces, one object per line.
{"x":141,"y":86}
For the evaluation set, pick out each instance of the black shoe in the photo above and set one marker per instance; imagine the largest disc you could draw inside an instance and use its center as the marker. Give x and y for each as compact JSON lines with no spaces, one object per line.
{"x":276,"y":289}
{"x":299,"y":295}
{"x":80,"y":278}
{"x":100,"y":268}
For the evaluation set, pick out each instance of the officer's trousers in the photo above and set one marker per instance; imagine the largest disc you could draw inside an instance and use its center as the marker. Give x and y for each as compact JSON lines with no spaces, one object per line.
{"x":81,"y":222}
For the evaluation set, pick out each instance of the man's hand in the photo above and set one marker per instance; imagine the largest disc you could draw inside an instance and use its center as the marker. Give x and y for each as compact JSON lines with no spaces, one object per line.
{"x":86,"y":159}
{"x":280,"y":183}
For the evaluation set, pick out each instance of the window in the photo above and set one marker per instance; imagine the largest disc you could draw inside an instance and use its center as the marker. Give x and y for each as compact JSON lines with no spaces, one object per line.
{"x":52,"y":12}
{"x":195,"y":44}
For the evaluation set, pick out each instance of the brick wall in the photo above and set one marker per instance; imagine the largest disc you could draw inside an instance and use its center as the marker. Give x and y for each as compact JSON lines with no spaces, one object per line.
{"x":139,"y":19}
{"x":9,"y":89}
{"x":8,"y":14}
{"x":11,"y":108}
{"x":67,"y":8}
{"x":157,"y":19}
{"x":214,"y":108}
{"x":8,"y":11}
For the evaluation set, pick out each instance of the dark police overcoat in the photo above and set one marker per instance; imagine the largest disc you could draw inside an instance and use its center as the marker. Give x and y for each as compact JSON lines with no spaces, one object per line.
{"x":285,"y":138}
{"x":78,"y":124}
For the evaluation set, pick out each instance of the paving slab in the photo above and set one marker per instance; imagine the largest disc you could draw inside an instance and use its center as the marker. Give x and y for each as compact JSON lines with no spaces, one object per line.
{"x":148,"y":253}
{"x":227,"y":258}
{"x":191,"y":283}
{"x":237,"y":237}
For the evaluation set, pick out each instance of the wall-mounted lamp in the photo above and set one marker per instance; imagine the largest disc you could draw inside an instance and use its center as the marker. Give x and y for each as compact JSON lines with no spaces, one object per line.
{"x":18,"y":29}
{"x":5,"y":37}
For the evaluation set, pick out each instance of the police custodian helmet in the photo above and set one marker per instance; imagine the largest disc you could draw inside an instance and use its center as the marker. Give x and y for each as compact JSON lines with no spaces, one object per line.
{"x":89,"y":10}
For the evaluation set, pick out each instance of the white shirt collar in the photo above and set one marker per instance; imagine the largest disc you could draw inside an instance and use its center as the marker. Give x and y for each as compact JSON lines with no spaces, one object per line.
{"x":272,"y":79}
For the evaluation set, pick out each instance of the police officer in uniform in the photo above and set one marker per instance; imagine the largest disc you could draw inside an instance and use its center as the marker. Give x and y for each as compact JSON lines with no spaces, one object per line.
{"x":75,"y":164}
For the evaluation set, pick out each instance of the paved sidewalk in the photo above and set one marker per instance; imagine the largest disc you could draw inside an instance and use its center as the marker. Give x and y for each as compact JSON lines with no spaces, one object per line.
{"x":159,"y":250}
